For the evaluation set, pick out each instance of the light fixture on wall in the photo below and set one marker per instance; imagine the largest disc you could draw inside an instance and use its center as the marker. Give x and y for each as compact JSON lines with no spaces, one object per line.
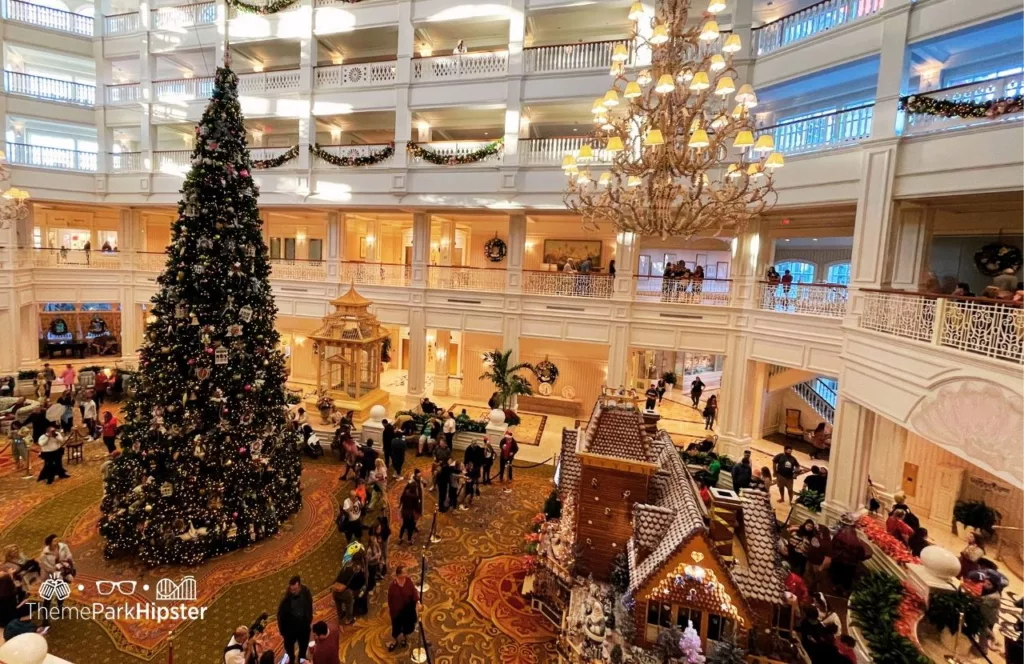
{"x":257,"y":66}
{"x":337,"y":58}
{"x":426,"y":50}
{"x":188,"y":73}
{"x":335,"y":135}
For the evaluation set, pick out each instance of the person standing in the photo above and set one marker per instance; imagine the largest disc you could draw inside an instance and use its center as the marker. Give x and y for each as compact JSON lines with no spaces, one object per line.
{"x":353,"y":509}
{"x":742,"y":472}
{"x":294,"y":619}
{"x":87,"y":248}
{"x":325,"y":648}
{"x":386,"y":436}
{"x":785,"y":466}
{"x":109,"y":430}
{"x":710,"y":412}
{"x":696,"y":390}
{"x":661,"y":390}
{"x":99,"y":388}
{"x":473,"y":459}
{"x":488,"y":459}
{"x":348,"y":585}
{"x":403,"y":600}
{"x":89,"y":414}
{"x":456,"y":479}
{"x":49,"y":375}
{"x":509,"y":449}
{"x":442,"y":478}
{"x":56,"y":562}
{"x":397,"y":452}
{"x":410,"y":508}
{"x":848,"y":551}
{"x":51,"y":448}
{"x":449,"y":430}
{"x":652,"y":397}
{"x":68,"y":378}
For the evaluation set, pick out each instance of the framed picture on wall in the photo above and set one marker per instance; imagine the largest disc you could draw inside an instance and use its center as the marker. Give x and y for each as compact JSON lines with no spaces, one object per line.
{"x":702,"y":259}
{"x":711,"y":272}
{"x":558,"y":252}
{"x":362,"y":247}
{"x":723,"y":270}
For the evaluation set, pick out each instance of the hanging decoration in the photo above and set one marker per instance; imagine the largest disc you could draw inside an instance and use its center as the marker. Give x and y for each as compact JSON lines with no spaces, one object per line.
{"x":996,"y":257}
{"x":495,"y":249}
{"x":272,"y":7}
{"x":947,"y":108}
{"x":369,"y":160}
{"x":281,"y":160}
{"x":546,"y":371}
{"x":428,"y":155}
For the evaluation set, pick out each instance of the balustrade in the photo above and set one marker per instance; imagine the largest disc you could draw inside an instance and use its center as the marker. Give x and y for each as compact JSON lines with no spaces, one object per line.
{"x":48,"y":17}
{"x":44,"y":157}
{"x":124,"y":93}
{"x":822,"y":132}
{"x":466,"y":65}
{"x":376,"y":274}
{"x":550,"y":151}
{"x":354,"y":152}
{"x":457,"y":149}
{"x":184,"y":16}
{"x":172,"y":161}
{"x":75,"y":258}
{"x":121,"y":24}
{"x":707,"y":292}
{"x":49,"y":88}
{"x":466,"y":278}
{"x":126,"y":162}
{"x":808,"y":22}
{"x":810,"y":299}
{"x":298,"y":269}
{"x":183,"y":89}
{"x":977,"y":93}
{"x":538,"y":282}
{"x":359,"y":75}
{"x":574,"y":57}
{"x":976,"y":325}
{"x":149,"y":261}
{"x":285,"y":80}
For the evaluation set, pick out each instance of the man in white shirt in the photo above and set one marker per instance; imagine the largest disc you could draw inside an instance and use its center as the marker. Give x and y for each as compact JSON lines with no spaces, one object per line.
{"x":353,"y":509}
{"x":89,"y":413}
{"x":449,"y":430}
{"x":240,"y":649}
{"x":51,"y":446}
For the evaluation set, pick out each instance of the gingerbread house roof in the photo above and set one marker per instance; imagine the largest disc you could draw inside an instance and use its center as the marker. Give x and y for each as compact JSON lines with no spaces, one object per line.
{"x":569,"y":463}
{"x":762,"y":579}
{"x":616,"y":430}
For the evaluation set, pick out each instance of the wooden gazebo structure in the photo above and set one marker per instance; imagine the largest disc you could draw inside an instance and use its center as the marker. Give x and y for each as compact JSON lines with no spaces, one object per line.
{"x":347,"y":348}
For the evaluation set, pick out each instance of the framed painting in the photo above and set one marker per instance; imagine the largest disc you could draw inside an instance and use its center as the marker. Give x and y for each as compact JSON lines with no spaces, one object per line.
{"x":711,"y":272}
{"x":645,"y":266}
{"x":723,"y":270}
{"x":702,"y":259}
{"x":559,"y":252}
{"x":362,"y":247}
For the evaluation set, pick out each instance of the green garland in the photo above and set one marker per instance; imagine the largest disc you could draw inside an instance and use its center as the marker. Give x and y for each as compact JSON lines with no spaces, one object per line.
{"x":875,"y":608}
{"x":946,"y":108}
{"x":270,"y":8}
{"x":426,"y":154}
{"x":369,"y":160}
{"x":261,"y":164}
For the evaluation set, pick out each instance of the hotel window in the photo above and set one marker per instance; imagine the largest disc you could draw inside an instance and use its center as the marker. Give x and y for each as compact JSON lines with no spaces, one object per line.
{"x":838,"y":274}
{"x":803,"y":273}
{"x":316,"y":250}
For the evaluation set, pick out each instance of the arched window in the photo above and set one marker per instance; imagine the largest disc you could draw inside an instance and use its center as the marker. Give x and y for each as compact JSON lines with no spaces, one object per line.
{"x":803,"y":273}
{"x":838,"y":273}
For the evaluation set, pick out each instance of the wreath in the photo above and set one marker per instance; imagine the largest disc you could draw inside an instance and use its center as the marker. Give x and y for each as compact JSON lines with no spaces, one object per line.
{"x":995,"y":258}
{"x":495,"y":249}
{"x":546,"y":371}
{"x":261,"y":164}
{"x":377,"y":157}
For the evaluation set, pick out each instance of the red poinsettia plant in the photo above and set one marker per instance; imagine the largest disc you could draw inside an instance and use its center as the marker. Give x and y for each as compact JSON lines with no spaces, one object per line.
{"x":909,"y":613}
{"x":889,"y":545}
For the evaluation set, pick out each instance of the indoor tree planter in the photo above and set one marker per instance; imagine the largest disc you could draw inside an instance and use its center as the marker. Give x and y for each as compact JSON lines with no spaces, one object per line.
{"x":975,"y":514}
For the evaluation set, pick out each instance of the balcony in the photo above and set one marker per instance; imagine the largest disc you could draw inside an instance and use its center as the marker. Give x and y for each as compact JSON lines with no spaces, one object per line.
{"x":979,"y":92}
{"x":183,"y":89}
{"x":126,"y":162}
{"x":705,"y":292}
{"x":123,"y":94}
{"x":485,"y":64}
{"x":354,"y":152}
{"x":808,"y":22}
{"x":828,"y":300}
{"x":597,"y":286}
{"x":298,"y":269}
{"x":993,"y":328}
{"x":55,"y":89}
{"x":49,"y":18}
{"x":38,"y":156}
{"x":466,"y":278}
{"x":76,"y":258}
{"x":361,"y":75}
{"x":184,"y":16}
{"x":551,"y":151}
{"x":582,"y":56}
{"x":376,"y":274}
{"x":149,"y":261}
{"x":172,"y":161}
{"x":121,"y":24}
{"x":822,"y":132}
{"x":286,"y":80}
{"x":455,"y":149}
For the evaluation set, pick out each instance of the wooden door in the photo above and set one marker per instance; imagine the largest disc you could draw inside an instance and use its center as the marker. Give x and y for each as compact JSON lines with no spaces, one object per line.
{"x":946,"y":493}
{"x":909,"y":484}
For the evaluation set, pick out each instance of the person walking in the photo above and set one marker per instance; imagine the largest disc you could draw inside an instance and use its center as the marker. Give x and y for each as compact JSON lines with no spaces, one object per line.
{"x":348,"y":585}
{"x":109,"y":430}
{"x":710,"y":412}
{"x":403,"y":601}
{"x":742,"y":472}
{"x":449,"y":430}
{"x":51,"y":448}
{"x":397,"y":453}
{"x":386,"y":436}
{"x":696,"y":390}
{"x":652,"y":397}
{"x":509,"y":449}
{"x":410,"y":508}
{"x":89,"y":413}
{"x":294,"y":619}
{"x":785,"y":466}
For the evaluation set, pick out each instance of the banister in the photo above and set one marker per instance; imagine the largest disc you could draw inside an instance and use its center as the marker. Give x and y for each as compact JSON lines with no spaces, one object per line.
{"x":816,"y":117}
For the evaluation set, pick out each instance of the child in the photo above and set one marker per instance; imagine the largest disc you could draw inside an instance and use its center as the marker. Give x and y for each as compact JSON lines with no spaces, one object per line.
{"x":488,"y":460}
{"x":472,"y":475}
{"x":19,"y":446}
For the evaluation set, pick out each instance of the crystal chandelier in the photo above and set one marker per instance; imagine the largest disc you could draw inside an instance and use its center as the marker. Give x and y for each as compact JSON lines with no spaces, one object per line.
{"x":13,"y":207}
{"x":679,"y":136}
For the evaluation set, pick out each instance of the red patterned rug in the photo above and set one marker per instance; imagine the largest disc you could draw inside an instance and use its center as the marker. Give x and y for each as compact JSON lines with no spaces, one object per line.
{"x":495,"y":593}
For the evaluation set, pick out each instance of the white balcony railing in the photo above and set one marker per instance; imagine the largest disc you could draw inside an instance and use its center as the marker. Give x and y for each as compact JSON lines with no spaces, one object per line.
{"x":808,"y":22}
{"x":810,"y":299}
{"x":465,"y":278}
{"x":822,"y":132}
{"x":75,"y":258}
{"x":267,"y":153}
{"x":457,"y":149}
{"x":979,"y":92}
{"x":567,"y":285}
{"x":184,"y":16}
{"x":994,"y":328}
{"x":297,"y":269}
{"x":126,"y":162}
{"x":121,"y":24}
{"x":172,"y":161}
{"x":43,"y":157}
{"x":358,"y":75}
{"x":49,"y":88}
{"x":354,"y":152}
{"x":376,"y":274}
{"x":574,"y":57}
{"x":286,"y":80}
{"x":149,"y":261}
{"x":550,"y":151}
{"x":123,"y":93}
{"x":183,"y":89}
{"x":48,"y":17}
{"x":706,"y":292}
{"x":468,"y":65}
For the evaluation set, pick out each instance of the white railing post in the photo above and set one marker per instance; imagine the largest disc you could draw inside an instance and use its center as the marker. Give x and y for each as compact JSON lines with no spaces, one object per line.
{"x":938,"y":322}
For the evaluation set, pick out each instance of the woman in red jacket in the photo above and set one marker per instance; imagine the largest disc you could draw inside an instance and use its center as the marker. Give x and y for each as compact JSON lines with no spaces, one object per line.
{"x":403,"y":601}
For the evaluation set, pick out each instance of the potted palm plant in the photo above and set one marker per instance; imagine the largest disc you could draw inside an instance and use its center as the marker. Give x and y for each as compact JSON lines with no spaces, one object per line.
{"x":508,"y":384}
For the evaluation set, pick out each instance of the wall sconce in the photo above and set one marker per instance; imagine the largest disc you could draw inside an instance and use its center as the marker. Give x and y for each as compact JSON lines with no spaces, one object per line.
{"x":257,"y":136}
{"x":300,"y":236}
{"x":300,"y":340}
{"x":430,"y":339}
{"x":257,"y":67}
{"x":188,"y":73}
{"x":337,"y":58}
{"x":441,"y":353}
{"x":370,"y":239}
{"x":444,"y":243}
{"x":426,"y":50}
{"x":530,"y":245}
{"x":335,"y":135}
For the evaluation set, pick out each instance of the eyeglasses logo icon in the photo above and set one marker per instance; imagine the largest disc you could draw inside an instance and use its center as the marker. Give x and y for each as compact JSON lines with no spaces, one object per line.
{"x":108,"y":587}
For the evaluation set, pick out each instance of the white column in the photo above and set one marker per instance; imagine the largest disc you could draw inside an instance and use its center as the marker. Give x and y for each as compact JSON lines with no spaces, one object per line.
{"x":417,"y":352}
{"x":516,"y":253}
{"x":446,"y":245}
{"x":885,"y":465}
{"x":908,"y":256}
{"x":851,"y":450}
{"x":626,"y":258}
{"x":746,"y":266}
{"x":741,"y":399}
{"x":513,"y":94}
{"x":420,"y":248}
{"x":335,"y":242}
{"x":127,"y":242}
{"x":742,"y":22}
{"x":510,"y":332}
{"x":892,"y":69}
{"x":147,"y":72}
{"x":403,"y":116}
{"x":873,"y":220}
{"x":222,"y":26}
{"x":618,"y":355}
{"x":307,"y":62}
{"x":442,"y":346}
{"x":373,"y":232}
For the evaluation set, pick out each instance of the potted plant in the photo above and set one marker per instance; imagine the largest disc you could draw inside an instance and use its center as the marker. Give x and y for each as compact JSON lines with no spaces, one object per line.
{"x":670,"y":379}
{"x":325,"y":404}
{"x":508,"y":383}
{"x":975,"y":514}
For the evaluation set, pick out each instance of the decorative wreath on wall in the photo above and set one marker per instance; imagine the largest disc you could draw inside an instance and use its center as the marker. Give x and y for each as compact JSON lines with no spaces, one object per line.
{"x":261,"y":164}
{"x":996,"y":257}
{"x":546,"y":371}
{"x":495,"y":249}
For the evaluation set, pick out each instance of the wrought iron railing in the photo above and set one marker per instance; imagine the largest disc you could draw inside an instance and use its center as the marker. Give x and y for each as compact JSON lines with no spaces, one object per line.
{"x":808,"y":22}
{"x":482,"y":64}
{"x":978,"y":92}
{"x":551,"y":151}
{"x":75,"y":258}
{"x":44,"y":157}
{"x":708,"y":292}
{"x":376,"y":274}
{"x":48,"y":17}
{"x":811,"y":299}
{"x":149,"y":261}
{"x":298,"y":269}
{"x":465,"y":278}
{"x":49,"y":88}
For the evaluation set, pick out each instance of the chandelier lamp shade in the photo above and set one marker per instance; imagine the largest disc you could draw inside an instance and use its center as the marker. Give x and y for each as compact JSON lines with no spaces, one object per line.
{"x":13,"y":201}
{"x":683,"y":156}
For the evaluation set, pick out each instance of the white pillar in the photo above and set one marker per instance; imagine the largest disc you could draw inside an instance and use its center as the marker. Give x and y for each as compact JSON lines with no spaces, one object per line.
{"x":442,"y":346}
{"x":746,"y":266}
{"x":873,"y":220}
{"x":417,"y":352}
{"x":885,"y":465}
{"x":618,"y":356}
{"x":851,"y":450}
{"x":892,"y":69}
{"x":307,"y":63}
{"x":626,"y":258}
{"x":742,"y":22}
{"x":446,"y":246}
{"x":741,"y":399}
{"x":908,"y":256}
{"x":510,"y":332}
{"x":514,"y":89}
{"x":516,"y":253}
{"x":403,"y":116}
{"x":420,"y":248}
{"x":335,"y":242}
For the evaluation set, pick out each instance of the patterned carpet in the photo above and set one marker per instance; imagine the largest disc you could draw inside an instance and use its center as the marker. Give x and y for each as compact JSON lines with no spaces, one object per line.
{"x":528,"y":432}
{"x":473,"y":610}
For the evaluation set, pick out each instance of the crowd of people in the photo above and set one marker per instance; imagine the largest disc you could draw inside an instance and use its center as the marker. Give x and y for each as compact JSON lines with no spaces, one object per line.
{"x":678,"y":280}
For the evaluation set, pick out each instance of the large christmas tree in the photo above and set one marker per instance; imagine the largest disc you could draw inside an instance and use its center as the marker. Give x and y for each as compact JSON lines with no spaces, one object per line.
{"x":209,"y":464}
